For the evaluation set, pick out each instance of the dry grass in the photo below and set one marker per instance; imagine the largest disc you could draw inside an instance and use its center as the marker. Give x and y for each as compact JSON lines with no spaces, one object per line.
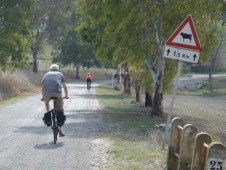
{"x":207,"y":114}
{"x":18,"y":83}
{"x":7,"y":86}
{"x":25,"y":81}
{"x":97,"y":73}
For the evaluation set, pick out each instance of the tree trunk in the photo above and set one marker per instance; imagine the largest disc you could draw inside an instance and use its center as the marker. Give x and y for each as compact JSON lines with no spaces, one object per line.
{"x":210,"y":79}
{"x":77,"y":76}
{"x":137,"y":89}
{"x":214,"y":57}
{"x":157,"y":107}
{"x":148,"y":99}
{"x":127,"y":80}
{"x":118,"y":79}
{"x":127,"y":84}
{"x":35,"y":59}
{"x":155,"y":66}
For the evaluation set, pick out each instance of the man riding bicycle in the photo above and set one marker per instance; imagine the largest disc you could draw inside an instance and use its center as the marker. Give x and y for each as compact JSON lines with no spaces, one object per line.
{"x":51,"y":88}
{"x":88,"y":79}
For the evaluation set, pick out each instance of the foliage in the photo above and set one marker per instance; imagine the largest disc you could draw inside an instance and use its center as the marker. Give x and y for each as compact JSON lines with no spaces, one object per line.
{"x":52,"y":19}
{"x":15,"y":34}
{"x":135,"y":31}
{"x":74,"y":51}
{"x":51,"y":23}
{"x":118,"y":25}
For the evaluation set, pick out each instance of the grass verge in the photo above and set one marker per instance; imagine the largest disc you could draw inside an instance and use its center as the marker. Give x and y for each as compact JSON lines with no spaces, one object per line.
{"x":136,"y":140}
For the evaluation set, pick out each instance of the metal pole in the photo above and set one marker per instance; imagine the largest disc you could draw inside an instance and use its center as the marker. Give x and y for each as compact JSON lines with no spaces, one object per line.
{"x":171,"y":104}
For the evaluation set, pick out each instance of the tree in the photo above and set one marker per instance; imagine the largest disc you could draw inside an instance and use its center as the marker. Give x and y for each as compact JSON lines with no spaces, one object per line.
{"x":136,"y":30}
{"x":214,"y":55}
{"x":74,"y":51}
{"x":15,"y":34}
{"x":51,"y":23}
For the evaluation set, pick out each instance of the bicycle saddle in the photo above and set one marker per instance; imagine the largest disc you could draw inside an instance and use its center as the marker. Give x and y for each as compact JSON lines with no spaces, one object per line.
{"x":53,"y":98}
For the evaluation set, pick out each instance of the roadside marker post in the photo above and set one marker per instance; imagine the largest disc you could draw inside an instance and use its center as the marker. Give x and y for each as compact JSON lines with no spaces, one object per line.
{"x":183,"y":45}
{"x":193,"y":150}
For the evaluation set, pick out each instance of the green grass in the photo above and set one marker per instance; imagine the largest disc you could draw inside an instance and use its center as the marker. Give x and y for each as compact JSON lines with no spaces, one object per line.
{"x":136,"y":141}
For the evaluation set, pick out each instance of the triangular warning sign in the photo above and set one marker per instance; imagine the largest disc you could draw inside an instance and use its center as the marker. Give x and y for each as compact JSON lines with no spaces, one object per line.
{"x":185,"y":36}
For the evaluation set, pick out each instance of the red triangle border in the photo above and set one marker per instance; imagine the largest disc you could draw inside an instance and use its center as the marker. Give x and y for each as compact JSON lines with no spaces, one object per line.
{"x":170,"y":42}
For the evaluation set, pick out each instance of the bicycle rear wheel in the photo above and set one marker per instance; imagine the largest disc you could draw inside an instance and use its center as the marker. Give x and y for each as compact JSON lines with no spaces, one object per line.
{"x":54,"y":127}
{"x":88,"y":86}
{"x":55,"y":133}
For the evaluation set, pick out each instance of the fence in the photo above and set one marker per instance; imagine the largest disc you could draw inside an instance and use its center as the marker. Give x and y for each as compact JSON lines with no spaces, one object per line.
{"x":193,"y":150}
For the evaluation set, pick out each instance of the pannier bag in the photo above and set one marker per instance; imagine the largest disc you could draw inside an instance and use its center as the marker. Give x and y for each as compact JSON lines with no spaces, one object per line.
{"x":47,"y":118}
{"x":61,"y":118}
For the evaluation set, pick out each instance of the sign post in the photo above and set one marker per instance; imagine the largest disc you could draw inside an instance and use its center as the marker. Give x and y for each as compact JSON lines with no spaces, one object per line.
{"x":172,"y":103}
{"x":183,"y":45}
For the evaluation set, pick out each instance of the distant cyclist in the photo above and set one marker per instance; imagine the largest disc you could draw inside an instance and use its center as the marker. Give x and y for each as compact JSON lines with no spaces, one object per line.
{"x":88,"y":79}
{"x":51,"y":87}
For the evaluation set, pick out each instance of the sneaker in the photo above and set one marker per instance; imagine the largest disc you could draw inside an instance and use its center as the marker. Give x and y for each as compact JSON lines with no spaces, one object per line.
{"x":61,"y":134}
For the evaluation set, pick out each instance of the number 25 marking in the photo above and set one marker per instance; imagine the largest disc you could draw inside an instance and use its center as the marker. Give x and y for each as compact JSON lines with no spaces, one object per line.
{"x":215,"y":164}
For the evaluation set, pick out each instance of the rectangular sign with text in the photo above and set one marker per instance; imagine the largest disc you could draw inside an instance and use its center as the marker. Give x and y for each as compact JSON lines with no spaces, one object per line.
{"x":181,"y":54}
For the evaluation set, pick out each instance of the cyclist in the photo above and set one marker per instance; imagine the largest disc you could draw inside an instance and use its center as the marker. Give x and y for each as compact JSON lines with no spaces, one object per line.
{"x":51,"y":87}
{"x":88,"y":79}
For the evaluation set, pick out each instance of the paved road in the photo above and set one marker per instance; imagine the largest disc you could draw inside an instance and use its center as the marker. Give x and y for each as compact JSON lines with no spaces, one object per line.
{"x":26,"y":143}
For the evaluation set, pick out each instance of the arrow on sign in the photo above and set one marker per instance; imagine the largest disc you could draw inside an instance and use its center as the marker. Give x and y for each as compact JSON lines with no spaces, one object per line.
{"x":194,"y":57}
{"x":168,"y":51}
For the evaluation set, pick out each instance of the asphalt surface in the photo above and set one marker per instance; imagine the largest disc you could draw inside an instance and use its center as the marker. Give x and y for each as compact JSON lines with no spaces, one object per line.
{"x":27,"y":144}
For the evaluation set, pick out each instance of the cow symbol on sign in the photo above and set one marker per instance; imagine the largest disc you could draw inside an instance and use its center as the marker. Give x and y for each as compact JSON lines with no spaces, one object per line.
{"x":186,"y":36}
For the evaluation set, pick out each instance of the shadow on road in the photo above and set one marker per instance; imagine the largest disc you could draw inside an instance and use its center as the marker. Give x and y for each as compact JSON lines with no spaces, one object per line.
{"x":79,"y":124}
{"x":50,"y":145}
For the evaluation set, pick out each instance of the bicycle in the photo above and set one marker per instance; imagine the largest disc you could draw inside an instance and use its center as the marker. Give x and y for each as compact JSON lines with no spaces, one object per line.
{"x":55,"y":118}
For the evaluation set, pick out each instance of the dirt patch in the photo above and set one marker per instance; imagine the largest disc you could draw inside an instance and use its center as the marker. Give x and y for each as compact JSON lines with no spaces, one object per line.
{"x":206,"y":113}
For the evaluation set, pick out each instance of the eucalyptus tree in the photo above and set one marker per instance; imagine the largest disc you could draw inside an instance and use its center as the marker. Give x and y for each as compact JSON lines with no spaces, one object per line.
{"x":73,"y":51}
{"x":51,"y":23}
{"x":15,"y":34}
{"x":214,"y":58}
{"x":135,"y":31}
